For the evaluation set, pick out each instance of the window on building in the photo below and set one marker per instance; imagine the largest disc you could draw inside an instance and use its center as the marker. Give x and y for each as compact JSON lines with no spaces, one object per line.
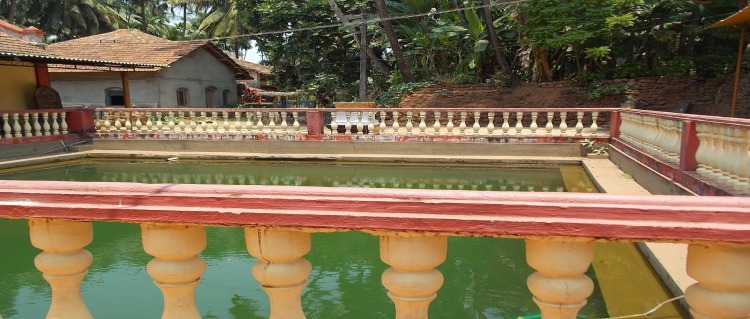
{"x":182,"y":97}
{"x":211,"y":96}
{"x":225,"y":97}
{"x":114,"y":96}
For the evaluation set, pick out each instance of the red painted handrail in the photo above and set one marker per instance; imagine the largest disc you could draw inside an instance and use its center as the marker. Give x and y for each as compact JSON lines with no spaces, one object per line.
{"x":500,"y":214}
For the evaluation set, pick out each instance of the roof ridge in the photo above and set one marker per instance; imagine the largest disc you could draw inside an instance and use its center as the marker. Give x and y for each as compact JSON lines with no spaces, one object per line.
{"x":10,"y":27}
{"x":13,"y":45}
{"x":134,"y":46}
{"x":116,"y":36}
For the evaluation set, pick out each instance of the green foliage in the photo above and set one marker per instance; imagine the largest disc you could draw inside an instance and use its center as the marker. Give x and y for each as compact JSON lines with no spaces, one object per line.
{"x":678,"y":66}
{"x":597,"y":90}
{"x":594,"y":147}
{"x":598,"y":53}
{"x":499,"y":79}
{"x":396,"y":92}
{"x":443,"y":92}
{"x":463,"y":79}
{"x":588,"y":40}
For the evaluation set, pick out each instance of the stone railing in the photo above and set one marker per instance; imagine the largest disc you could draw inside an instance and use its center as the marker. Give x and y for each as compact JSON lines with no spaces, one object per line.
{"x":413,"y":226}
{"x":510,"y":122}
{"x":199,"y":121}
{"x":18,"y":124}
{"x":716,"y":148}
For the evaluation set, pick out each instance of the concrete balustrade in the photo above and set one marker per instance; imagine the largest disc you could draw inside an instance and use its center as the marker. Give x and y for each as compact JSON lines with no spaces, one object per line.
{"x":176,"y":267}
{"x":413,"y":238}
{"x":559,"y":285}
{"x":717,"y":149}
{"x":412,"y":281}
{"x":280,"y":269}
{"x":724,"y":154}
{"x":63,"y":263}
{"x":19,"y":124}
{"x":723,"y":288}
{"x":653,"y":135}
{"x":469,"y":122}
{"x":199,"y":121}
{"x":403,"y":122}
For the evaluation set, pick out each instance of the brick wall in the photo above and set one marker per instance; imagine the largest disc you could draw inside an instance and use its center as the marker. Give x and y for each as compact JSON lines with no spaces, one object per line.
{"x":706,"y":96}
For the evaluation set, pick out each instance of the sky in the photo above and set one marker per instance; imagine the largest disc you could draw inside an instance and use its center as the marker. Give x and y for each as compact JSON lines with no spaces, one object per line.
{"x":253,"y":55}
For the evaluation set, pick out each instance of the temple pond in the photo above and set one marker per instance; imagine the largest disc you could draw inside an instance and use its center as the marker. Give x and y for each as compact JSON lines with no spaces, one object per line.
{"x":484,"y":277}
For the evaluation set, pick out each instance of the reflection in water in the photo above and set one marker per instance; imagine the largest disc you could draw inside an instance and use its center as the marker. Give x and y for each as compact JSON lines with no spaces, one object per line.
{"x":456,"y":177}
{"x":484,"y":277}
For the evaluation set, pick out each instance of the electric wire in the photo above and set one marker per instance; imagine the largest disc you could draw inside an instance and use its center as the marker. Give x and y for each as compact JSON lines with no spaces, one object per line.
{"x":408,"y":16}
{"x":647,"y":313}
{"x":368,"y":21}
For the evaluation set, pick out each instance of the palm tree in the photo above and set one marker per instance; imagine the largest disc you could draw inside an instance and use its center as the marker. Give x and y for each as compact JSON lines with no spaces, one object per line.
{"x":393,"y":39}
{"x":225,"y":20}
{"x":74,"y":18}
{"x":184,"y":4}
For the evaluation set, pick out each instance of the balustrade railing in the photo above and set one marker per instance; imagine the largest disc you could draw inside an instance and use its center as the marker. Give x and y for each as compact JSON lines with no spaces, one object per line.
{"x":396,"y":122}
{"x":508,"y":122}
{"x":201,"y":121}
{"x":724,"y":153}
{"x":413,"y":227}
{"x":716,"y":148}
{"x":16,"y":124}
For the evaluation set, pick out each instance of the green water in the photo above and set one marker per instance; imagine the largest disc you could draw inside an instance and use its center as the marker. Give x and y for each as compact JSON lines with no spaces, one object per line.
{"x":454,"y":177}
{"x":484,"y":277}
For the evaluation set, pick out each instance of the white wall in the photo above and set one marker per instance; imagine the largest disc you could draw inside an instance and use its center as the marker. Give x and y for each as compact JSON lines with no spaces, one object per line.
{"x":89,"y":89}
{"x":195,"y":72}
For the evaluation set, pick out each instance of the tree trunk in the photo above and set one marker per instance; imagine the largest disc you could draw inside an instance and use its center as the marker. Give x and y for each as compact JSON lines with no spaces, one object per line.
{"x":144,"y":20}
{"x":184,"y":19}
{"x":541,"y":65}
{"x":501,"y":61}
{"x":395,"y":46}
{"x":370,"y":53}
{"x":12,"y":12}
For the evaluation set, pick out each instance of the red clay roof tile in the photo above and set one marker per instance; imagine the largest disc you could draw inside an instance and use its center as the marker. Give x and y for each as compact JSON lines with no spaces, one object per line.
{"x":134,"y":46}
{"x":10,"y":45}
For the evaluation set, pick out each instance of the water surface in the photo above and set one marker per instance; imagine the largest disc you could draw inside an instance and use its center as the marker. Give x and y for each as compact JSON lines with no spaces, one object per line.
{"x":484,"y":277}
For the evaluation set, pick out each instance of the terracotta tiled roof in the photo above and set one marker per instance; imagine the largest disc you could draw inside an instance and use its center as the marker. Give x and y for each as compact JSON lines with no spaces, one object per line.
{"x":126,"y":45}
{"x":14,"y":46}
{"x":10,"y":27}
{"x":15,"y":49}
{"x":263,"y":69}
{"x":134,"y":46}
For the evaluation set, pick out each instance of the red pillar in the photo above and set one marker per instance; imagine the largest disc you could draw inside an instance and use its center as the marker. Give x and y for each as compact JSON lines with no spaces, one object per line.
{"x":42,"y":74}
{"x":314,"y":123}
{"x":125,"y":89}
{"x":688,"y":146}
{"x":80,"y":121}
{"x":616,"y":122}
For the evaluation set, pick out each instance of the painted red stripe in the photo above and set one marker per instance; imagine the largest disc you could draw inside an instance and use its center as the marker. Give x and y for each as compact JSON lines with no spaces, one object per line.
{"x":612,"y":217}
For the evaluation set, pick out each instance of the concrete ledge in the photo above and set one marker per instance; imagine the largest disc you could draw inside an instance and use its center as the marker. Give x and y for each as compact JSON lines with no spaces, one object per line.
{"x":60,"y":144}
{"x":346,"y":147}
{"x":650,"y":179}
